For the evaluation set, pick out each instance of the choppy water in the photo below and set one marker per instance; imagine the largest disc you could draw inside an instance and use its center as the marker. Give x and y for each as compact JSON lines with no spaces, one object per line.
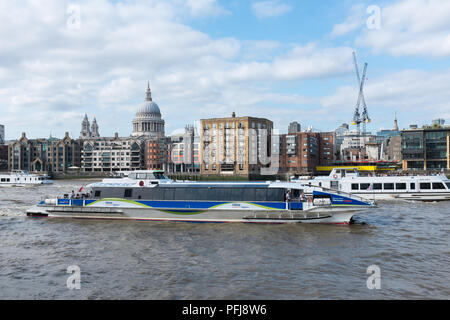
{"x":409,"y":241}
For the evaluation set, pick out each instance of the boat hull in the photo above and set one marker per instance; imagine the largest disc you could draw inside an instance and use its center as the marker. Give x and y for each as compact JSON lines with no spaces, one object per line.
{"x":330,"y":215}
{"x":416,"y":196}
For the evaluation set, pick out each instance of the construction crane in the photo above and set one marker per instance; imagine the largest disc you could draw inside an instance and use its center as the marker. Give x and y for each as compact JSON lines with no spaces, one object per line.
{"x":357,"y":117}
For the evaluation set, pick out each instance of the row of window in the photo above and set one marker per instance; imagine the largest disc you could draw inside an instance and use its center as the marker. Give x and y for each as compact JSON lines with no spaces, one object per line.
{"x":399,"y":186}
{"x":197,"y":194}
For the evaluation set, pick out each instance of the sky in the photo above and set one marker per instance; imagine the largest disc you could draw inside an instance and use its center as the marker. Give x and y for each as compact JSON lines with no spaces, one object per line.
{"x":283,"y":60}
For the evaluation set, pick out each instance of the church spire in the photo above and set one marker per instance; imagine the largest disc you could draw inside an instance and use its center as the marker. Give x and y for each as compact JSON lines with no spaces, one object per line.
{"x":149,"y":93}
{"x":395,"y":122}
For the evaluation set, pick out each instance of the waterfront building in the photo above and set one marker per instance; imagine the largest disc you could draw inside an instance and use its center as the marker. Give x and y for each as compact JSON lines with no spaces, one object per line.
{"x":63,"y":154}
{"x":302,"y":152}
{"x":148,"y":121}
{"x":44,"y":155}
{"x":392,"y":149}
{"x":185,"y":151}
{"x":340,"y":132}
{"x":294,"y":127}
{"x":352,"y":147}
{"x":235,"y":145}
{"x":3,"y":157}
{"x":426,"y":148}
{"x":112,"y":154}
{"x":156,"y":153}
{"x":373,"y":150}
{"x":2,"y":134}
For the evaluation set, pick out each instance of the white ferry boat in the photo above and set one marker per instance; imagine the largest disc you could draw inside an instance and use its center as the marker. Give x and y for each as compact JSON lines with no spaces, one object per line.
{"x":150,"y":195}
{"x":414,"y":187}
{"x":22,"y":178}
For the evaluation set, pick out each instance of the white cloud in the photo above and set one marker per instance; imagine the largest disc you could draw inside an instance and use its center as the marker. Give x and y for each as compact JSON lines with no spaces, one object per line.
{"x":198,"y":8}
{"x":413,"y":94}
{"x":355,"y":20}
{"x":270,"y":8}
{"x":407,"y":28}
{"x":49,"y":73}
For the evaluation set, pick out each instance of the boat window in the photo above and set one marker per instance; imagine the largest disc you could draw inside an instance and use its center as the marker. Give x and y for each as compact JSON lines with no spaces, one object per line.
{"x":261,"y":194}
{"x":223,"y":193}
{"x":400,"y":186}
{"x":425,"y":185}
{"x":448,"y":185}
{"x":355,"y":186}
{"x":192,"y":193}
{"x":128,"y":193}
{"x":3,"y":179}
{"x":97,"y":193}
{"x":237,"y":194}
{"x":142,"y":176}
{"x":377,"y":186}
{"x":438,"y":185}
{"x":388,"y":186}
{"x":159,"y":175}
{"x":412,"y":186}
{"x":364,"y":186}
{"x":132,"y":176}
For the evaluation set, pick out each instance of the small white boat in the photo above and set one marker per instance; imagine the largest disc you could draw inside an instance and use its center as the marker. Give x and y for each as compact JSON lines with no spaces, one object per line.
{"x":386,"y":187}
{"x":22,"y":178}
{"x":150,"y":195}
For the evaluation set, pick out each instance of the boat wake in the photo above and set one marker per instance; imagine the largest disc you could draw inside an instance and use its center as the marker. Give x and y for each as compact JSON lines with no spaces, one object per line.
{"x":5,"y":212}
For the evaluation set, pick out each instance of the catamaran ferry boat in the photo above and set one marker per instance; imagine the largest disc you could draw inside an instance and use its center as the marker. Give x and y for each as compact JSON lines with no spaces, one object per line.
{"x":22,"y":178}
{"x":150,"y":195}
{"x":422,"y":188}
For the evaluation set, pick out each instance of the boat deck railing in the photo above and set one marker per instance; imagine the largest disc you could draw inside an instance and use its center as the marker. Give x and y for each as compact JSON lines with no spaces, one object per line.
{"x":347,"y":194}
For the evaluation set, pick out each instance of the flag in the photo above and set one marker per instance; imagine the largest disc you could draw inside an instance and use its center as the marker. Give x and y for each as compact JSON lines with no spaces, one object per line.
{"x":370,"y":187}
{"x":81,"y":189}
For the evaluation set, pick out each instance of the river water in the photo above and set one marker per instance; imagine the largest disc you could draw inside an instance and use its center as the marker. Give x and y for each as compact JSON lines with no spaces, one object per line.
{"x":407,"y":241}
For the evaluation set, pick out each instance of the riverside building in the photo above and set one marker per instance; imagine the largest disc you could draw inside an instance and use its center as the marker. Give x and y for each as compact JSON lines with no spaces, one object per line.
{"x":2,"y":134}
{"x":185,"y":151}
{"x":112,"y":154}
{"x":44,"y":155}
{"x":302,"y":152}
{"x":426,"y":148}
{"x":235,"y":145}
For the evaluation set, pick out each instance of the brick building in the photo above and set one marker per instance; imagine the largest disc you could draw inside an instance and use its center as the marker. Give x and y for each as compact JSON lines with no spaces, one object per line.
{"x":235,"y":145}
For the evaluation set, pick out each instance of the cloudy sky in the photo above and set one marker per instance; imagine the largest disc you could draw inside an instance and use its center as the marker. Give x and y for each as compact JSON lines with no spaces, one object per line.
{"x":284,"y":60}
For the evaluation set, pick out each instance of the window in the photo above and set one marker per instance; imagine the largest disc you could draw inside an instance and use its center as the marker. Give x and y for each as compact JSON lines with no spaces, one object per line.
{"x":97,"y":193}
{"x":364,"y":186}
{"x":400,"y":186}
{"x":412,"y":186}
{"x":377,"y":186}
{"x":388,"y":186}
{"x":425,"y":186}
{"x":355,"y":186}
{"x":128,"y":193}
{"x":438,"y":185}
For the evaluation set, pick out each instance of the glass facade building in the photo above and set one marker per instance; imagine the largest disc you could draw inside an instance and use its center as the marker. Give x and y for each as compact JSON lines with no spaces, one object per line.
{"x":426,"y":149}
